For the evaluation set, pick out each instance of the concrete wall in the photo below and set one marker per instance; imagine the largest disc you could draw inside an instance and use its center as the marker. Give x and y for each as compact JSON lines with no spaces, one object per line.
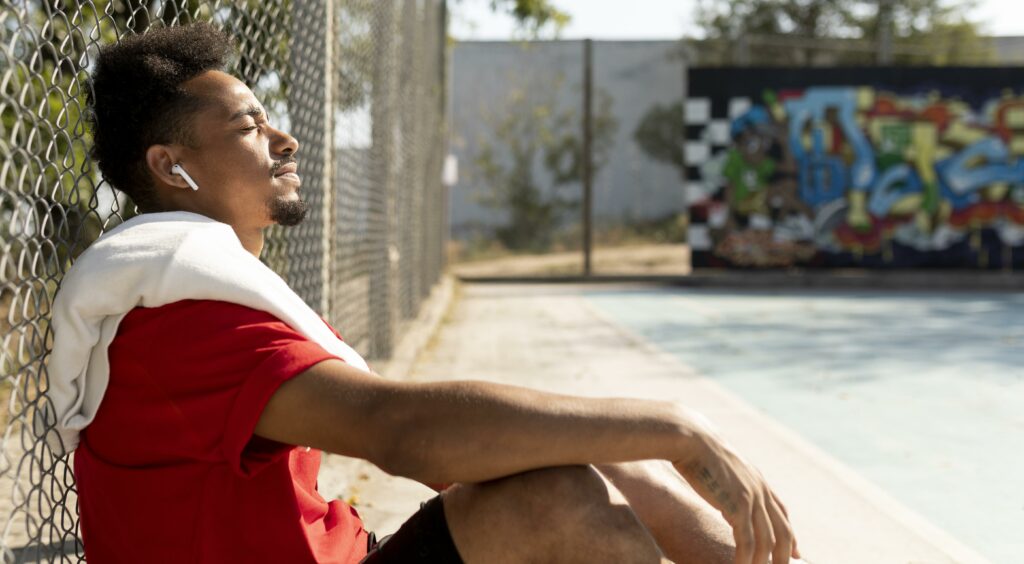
{"x":490,"y":78}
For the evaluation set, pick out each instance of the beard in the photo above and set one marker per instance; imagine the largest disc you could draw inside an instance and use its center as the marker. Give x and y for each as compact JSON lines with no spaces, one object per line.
{"x":288,"y":212}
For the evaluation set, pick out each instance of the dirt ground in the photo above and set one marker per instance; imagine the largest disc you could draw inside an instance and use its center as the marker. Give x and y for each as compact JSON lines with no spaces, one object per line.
{"x":657,"y":259}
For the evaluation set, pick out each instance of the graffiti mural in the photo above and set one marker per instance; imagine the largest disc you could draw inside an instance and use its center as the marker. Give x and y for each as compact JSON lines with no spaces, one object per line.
{"x":861,"y":174}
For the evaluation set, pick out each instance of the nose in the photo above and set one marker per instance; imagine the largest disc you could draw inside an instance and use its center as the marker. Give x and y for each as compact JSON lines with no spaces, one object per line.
{"x":283,"y":143}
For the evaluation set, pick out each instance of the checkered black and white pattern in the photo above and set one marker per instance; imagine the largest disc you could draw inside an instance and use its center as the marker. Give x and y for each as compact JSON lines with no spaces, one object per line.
{"x":708,"y":122}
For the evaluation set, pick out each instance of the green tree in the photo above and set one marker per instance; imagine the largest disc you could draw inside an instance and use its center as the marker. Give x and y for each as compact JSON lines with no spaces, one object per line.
{"x":807,"y":32}
{"x":660,"y":134}
{"x":534,"y":17}
{"x":532,"y":135}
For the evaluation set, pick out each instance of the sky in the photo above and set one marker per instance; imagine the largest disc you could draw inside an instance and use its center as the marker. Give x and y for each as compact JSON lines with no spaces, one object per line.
{"x":663,"y":19}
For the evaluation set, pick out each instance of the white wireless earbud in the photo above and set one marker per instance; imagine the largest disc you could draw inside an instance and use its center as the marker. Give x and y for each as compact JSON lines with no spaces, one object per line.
{"x":176,"y":169}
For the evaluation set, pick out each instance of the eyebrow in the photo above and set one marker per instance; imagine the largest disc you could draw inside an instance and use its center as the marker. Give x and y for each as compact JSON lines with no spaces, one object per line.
{"x":252,"y":110}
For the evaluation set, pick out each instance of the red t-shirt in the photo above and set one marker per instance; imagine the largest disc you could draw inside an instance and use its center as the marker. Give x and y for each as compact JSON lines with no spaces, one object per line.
{"x":170,"y":471}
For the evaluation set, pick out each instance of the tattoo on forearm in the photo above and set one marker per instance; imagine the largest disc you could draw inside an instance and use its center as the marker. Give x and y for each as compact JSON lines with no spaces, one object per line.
{"x":713,"y":487}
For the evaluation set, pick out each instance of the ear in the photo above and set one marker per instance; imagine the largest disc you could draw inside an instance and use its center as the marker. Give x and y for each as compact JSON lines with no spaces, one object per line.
{"x":159,"y":160}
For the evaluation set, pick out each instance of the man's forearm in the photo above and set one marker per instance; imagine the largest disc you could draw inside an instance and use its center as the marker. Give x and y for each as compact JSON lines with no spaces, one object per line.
{"x":686,"y":527}
{"x":470,"y":431}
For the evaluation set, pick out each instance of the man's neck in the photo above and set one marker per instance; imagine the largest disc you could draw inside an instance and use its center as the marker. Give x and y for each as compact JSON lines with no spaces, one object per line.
{"x":251,"y":238}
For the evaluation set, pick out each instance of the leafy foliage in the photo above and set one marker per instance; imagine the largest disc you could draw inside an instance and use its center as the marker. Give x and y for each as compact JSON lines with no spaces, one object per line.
{"x":530,"y":136}
{"x":534,"y":17}
{"x":660,"y":134}
{"x":797,"y":31}
{"x":44,"y":140}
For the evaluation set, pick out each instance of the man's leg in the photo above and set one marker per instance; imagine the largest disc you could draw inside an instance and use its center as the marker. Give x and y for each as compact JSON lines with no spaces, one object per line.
{"x":685,"y":526}
{"x":565,"y":514}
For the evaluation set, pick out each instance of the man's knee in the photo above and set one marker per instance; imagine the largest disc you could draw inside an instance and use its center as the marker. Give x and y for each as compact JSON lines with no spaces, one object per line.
{"x":535,"y":495}
{"x":560,"y":489}
{"x":541,"y":511}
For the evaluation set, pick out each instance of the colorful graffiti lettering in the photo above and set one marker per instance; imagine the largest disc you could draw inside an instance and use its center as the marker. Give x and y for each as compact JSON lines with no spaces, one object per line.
{"x":859,"y":175}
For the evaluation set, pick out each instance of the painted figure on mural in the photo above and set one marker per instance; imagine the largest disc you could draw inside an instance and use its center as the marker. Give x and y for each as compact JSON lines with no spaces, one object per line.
{"x":761,"y":190}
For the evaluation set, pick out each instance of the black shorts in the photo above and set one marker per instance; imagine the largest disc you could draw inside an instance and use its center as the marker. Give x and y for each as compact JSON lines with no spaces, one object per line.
{"x":424,"y":537}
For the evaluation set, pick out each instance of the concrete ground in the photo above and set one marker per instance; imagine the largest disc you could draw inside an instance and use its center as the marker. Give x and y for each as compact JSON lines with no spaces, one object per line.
{"x":568,"y":339}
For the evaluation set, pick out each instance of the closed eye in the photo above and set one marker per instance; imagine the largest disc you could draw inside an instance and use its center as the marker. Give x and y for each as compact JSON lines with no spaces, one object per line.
{"x":258,"y":125}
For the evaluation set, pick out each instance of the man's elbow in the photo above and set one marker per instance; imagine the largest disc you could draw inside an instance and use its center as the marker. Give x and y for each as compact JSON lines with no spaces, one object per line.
{"x":339,"y":409}
{"x":408,"y":450}
{"x":343,"y":410}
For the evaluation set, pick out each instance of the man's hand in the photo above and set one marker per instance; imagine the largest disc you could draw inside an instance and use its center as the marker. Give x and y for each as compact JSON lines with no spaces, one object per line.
{"x":758,"y":519}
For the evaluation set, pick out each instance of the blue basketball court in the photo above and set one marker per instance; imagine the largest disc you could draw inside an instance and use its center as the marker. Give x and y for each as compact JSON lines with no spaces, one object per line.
{"x":920,"y":393}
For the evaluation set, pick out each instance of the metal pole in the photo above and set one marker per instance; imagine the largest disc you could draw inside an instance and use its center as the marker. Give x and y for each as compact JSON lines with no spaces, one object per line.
{"x":447,"y":117}
{"x":884,"y":55}
{"x":311,"y":62}
{"x":383,"y":293}
{"x":327,"y":241}
{"x":587,"y":162}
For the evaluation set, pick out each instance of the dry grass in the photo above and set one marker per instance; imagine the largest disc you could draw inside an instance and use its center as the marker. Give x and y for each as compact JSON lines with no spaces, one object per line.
{"x":638,"y":260}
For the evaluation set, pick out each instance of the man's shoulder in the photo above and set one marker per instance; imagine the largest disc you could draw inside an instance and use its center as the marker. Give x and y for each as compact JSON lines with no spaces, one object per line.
{"x":197,"y":318}
{"x":197,"y":315}
{"x":214,"y":308}
{"x":213,"y":313}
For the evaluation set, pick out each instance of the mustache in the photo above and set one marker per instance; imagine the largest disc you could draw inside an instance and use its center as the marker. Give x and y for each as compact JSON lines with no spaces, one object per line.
{"x":277,"y":166}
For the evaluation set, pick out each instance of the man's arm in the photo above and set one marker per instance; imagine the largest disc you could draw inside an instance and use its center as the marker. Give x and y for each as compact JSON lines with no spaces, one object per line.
{"x":468,"y":431}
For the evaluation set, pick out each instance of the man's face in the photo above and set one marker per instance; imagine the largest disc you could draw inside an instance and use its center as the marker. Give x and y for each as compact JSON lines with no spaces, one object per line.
{"x":244,"y":167}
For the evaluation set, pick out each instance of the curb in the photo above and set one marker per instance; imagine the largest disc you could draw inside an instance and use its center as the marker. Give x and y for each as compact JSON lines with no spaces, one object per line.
{"x":417,"y":332}
{"x":911,"y":280}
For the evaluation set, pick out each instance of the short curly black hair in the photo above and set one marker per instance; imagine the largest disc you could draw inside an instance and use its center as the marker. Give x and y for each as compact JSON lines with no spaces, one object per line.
{"x":136,"y":100}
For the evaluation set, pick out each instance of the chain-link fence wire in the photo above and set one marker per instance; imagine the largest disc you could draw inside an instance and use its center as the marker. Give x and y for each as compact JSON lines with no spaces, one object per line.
{"x":360,"y":83}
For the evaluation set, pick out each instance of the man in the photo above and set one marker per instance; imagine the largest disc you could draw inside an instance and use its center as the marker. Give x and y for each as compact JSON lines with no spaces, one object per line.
{"x":202,"y":447}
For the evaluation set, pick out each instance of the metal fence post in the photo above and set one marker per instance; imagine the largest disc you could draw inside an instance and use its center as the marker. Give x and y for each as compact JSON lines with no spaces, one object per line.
{"x":587,"y":160}
{"x":382,"y":154}
{"x":306,"y":252}
{"x":327,"y":238}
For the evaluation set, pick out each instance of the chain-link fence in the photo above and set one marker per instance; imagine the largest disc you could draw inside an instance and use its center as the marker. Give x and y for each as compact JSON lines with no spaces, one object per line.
{"x":360,"y":83}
